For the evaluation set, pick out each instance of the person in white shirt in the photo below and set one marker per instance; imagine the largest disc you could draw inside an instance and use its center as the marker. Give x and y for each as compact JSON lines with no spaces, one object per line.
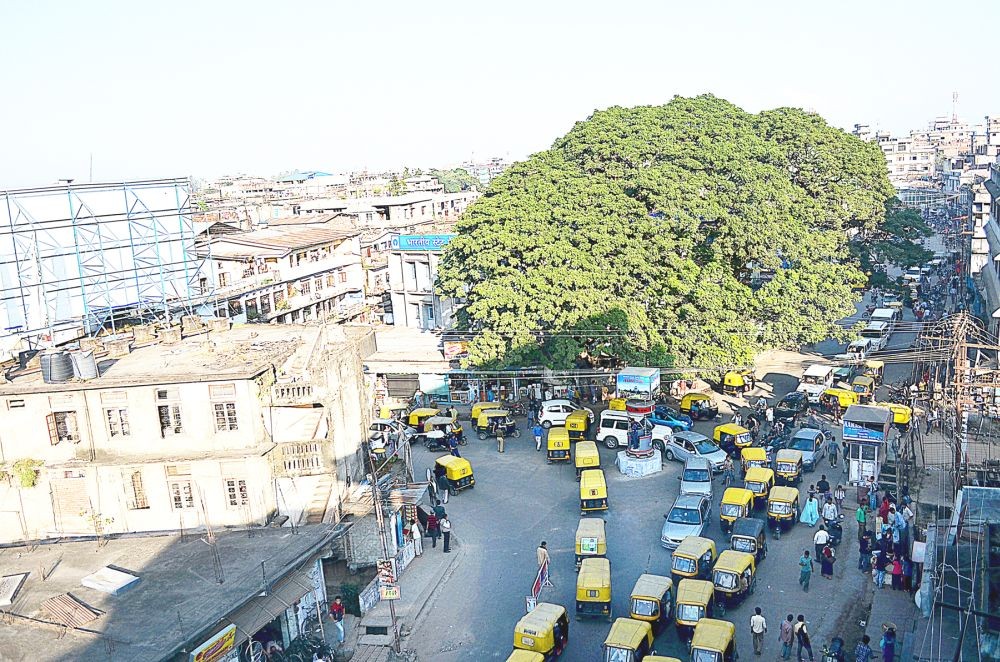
{"x":820,"y":540}
{"x":758,"y":626}
{"x":418,"y":539}
{"x":830,"y":512}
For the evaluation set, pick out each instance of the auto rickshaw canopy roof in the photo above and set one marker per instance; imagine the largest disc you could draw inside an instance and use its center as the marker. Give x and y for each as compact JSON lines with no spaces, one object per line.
{"x":487,"y":414}
{"x":789,"y":455}
{"x":900,"y":413}
{"x":659,"y":658}
{"x":736,"y":377}
{"x":558,"y":436}
{"x":758,"y":475}
{"x":864,"y":380}
{"x":439,"y":420}
{"x":729,"y":428}
{"x":694,"y":592}
{"x":424,"y":412}
{"x":455,"y":467}
{"x":521,"y":655}
{"x":585,"y":450}
{"x":694,"y":547}
{"x":478,"y":407}
{"x":732,"y":561}
{"x":540,"y":621}
{"x":874,"y":365}
{"x":694,"y":397}
{"x":711,"y":634}
{"x":595,"y":572}
{"x":840,"y":392}
{"x":784,"y":494}
{"x":592,"y":479}
{"x":629,"y":634}
{"x":737,"y":495}
{"x":590,"y":527}
{"x":754,"y":454}
{"x":578,"y":420}
{"x":651,"y":586}
{"x":748,"y":527}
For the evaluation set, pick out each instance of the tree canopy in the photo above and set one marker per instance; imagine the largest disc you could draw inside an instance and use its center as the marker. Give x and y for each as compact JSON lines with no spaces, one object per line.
{"x":456,"y":179}
{"x":694,"y":230}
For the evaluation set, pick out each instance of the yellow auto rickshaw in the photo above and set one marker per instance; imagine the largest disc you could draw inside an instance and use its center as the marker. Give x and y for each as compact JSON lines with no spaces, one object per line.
{"x":586,"y":455}
{"x":736,"y":502}
{"x":842,"y":396}
{"x":699,"y":406}
{"x":713,"y":641}
{"x":695,"y":600}
{"x":591,"y":541}
{"x":864,"y":386}
{"x":788,"y":463}
{"x":479,"y":407}
{"x":782,"y":508}
{"x":577,"y":423}
{"x":454,"y":472}
{"x":618,"y":404}
{"x":734,"y":577}
{"x":557,"y":446}
{"x":544,"y":630}
{"x":875,"y":370}
{"x":389,"y":412}
{"x":415,"y":419}
{"x":731,"y":437}
{"x":593,"y":589}
{"x":628,"y":640}
{"x":593,"y":491}
{"x":755,"y":456}
{"x":520,"y":655}
{"x":738,"y":382}
{"x":491,"y":421}
{"x":444,"y":424}
{"x":692,"y":559}
{"x":748,"y":536}
{"x":759,"y":481}
{"x":901,"y":414}
{"x":659,"y":658}
{"x":652,"y":600}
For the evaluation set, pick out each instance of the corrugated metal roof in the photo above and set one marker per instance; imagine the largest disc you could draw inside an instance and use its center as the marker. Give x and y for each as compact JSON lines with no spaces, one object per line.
{"x":67,"y":610}
{"x":286,"y":238}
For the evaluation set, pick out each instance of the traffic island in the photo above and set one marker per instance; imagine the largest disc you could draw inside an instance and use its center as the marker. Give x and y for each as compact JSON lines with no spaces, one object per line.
{"x":637,"y":467}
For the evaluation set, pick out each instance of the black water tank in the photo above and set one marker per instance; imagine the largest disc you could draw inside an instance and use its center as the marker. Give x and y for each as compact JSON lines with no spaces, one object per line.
{"x":57,"y":367}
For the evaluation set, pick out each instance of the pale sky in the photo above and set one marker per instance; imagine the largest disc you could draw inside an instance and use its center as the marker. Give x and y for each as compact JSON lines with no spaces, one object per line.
{"x":162,"y":89}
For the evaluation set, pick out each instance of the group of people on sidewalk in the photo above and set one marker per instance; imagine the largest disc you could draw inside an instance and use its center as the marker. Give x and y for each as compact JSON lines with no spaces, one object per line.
{"x":794,"y":632}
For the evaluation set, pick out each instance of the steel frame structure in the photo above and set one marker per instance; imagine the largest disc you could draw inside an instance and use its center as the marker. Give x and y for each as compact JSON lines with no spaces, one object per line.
{"x":82,"y":254}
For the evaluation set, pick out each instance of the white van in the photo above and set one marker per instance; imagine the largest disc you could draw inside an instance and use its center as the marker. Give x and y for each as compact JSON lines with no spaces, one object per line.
{"x":816,"y":379}
{"x":857,"y":351}
{"x":614,"y":426}
{"x":878,"y":334}
{"x":888,"y":315}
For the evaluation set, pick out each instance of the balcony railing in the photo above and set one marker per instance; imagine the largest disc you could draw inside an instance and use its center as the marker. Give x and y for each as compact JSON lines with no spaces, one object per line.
{"x":301,"y":458}
{"x":294,"y":393}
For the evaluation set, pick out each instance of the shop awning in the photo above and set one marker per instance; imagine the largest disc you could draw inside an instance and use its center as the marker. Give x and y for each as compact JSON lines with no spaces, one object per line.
{"x":263,"y":609}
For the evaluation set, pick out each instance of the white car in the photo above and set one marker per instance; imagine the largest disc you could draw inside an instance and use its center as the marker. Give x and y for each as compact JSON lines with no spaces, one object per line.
{"x":614,"y":427}
{"x":554,"y":412}
{"x":684,"y":445}
{"x":816,"y":379}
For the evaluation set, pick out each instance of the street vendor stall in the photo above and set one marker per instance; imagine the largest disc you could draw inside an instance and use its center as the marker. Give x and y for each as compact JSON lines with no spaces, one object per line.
{"x":866,"y":432}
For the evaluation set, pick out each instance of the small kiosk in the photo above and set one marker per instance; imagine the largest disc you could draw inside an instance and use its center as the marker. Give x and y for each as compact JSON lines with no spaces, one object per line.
{"x":866,"y":431}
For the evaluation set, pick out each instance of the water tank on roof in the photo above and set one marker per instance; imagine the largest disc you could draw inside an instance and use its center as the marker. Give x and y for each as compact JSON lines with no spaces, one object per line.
{"x":57,"y":367}
{"x":84,"y":364}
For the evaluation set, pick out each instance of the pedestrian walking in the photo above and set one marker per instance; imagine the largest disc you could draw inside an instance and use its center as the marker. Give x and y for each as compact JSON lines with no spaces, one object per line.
{"x":844,"y":456}
{"x":758,"y":627}
{"x":802,"y":636}
{"x":820,"y":540}
{"x":499,"y":440}
{"x":864,"y":552}
{"x":769,"y":415}
{"x":810,"y":513}
{"x":897,"y":573}
{"x":872,"y":493}
{"x":446,"y":533}
{"x":417,"y":536}
{"x":827,"y":559}
{"x":863,"y":652}
{"x":839,"y":495}
{"x":879,"y":561}
{"x":537,"y":432}
{"x":861,"y":517}
{"x":433,"y":528}
{"x":542,"y":554}
{"x":786,"y":636}
{"x":830,"y":512}
{"x":337,"y":614}
{"x":805,"y":570}
{"x":453,"y":444}
{"x":834,"y":450}
{"x":888,"y":644}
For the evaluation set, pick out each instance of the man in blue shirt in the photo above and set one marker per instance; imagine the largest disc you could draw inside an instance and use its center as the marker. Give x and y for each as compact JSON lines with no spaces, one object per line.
{"x":537,"y":431}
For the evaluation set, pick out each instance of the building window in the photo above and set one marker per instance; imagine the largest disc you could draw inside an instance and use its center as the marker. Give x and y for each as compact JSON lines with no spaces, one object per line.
{"x":341,"y":276}
{"x":19,"y":404}
{"x":62,"y":427}
{"x":329,"y":280}
{"x":135,"y":493}
{"x":117,"y":422}
{"x":236,"y":492}
{"x":223,"y":398}
{"x":168,"y":407}
{"x":265,"y":304}
{"x":318,"y":285}
{"x":305,"y":286}
{"x":179,"y":486}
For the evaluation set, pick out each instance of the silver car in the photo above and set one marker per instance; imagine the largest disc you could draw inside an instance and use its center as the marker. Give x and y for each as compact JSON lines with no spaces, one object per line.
{"x":688,"y":444}
{"x":697,"y":477}
{"x":687,"y":517}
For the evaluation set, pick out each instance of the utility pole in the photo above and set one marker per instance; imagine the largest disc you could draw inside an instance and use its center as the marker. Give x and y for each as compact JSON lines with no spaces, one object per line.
{"x":380,"y":523}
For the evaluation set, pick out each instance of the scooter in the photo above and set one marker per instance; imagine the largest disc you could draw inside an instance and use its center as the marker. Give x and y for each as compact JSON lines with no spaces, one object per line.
{"x":833,"y":652}
{"x":835,"y":529}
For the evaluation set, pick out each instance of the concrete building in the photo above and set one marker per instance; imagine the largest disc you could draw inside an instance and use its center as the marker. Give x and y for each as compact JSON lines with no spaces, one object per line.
{"x":185,"y":429}
{"x":486,"y":171}
{"x":412,"y":273}
{"x":423,"y":183}
{"x":985,"y":250}
{"x":285,"y":274}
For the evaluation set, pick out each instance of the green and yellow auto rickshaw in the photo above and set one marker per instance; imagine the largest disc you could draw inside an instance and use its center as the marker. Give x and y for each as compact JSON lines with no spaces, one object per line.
{"x":699,"y":406}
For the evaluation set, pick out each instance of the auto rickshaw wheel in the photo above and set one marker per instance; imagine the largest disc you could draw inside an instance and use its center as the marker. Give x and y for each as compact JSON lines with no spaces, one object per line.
{"x":482,"y":436}
{"x":720,"y":607}
{"x":547,"y":425}
{"x":516,"y":434}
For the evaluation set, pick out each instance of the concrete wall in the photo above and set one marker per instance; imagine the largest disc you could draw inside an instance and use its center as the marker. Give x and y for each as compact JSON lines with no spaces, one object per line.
{"x":411,"y":281}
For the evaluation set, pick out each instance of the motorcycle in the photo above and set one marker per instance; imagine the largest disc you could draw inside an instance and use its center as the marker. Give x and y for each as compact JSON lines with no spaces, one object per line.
{"x":836,"y":530}
{"x":833,"y":652}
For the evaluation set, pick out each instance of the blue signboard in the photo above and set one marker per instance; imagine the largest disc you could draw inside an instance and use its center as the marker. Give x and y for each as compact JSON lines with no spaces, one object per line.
{"x":854,"y":432}
{"x":421,"y":242}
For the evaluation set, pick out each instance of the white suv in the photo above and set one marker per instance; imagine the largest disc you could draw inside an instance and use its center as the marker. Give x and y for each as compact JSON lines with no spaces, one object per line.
{"x":554,"y":412}
{"x":614,"y":427}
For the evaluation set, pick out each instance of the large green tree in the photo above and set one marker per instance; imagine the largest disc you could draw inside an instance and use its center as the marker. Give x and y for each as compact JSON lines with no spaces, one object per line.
{"x":694,"y":230}
{"x":455,"y":179}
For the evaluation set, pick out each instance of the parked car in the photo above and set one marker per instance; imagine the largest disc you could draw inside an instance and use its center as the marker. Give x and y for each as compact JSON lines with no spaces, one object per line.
{"x":697,"y":477}
{"x":687,"y":517}
{"x":554,"y":412}
{"x":816,"y":379}
{"x":614,"y":427}
{"x":812,"y":443}
{"x":790,"y":406}
{"x":684,"y":445}
{"x":673,"y":419}
{"x":397,"y":431}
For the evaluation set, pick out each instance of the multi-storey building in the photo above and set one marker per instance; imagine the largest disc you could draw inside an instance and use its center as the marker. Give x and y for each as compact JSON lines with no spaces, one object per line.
{"x":412,"y":273}
{"x":487,"y":171}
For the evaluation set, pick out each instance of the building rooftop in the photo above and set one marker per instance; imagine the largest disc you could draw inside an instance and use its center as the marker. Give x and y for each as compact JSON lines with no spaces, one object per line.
{"x":176,"y":603}
{"x":239,"y":353}
{"x":277,"y":241}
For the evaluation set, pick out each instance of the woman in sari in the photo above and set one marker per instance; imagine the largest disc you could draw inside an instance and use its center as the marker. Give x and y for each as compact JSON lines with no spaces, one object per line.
{"x":810,"y":513}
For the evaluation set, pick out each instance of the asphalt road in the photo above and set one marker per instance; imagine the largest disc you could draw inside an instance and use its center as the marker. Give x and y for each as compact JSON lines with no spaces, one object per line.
{"x":519,"y":500}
